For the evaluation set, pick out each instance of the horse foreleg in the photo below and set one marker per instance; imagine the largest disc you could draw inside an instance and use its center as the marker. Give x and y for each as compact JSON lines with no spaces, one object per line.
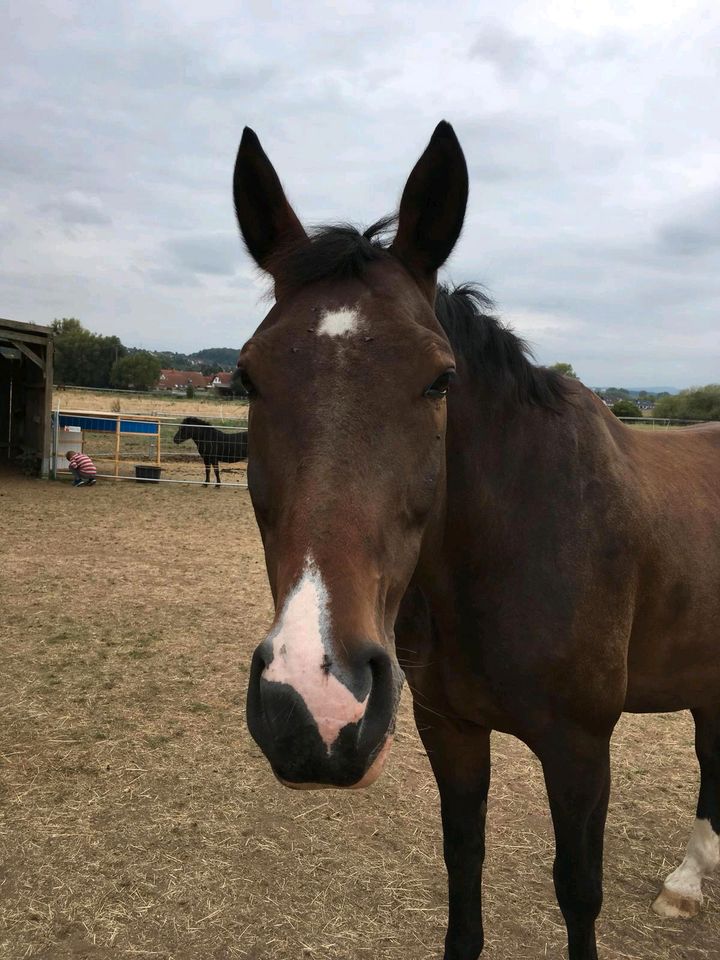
{"x":460,"y":758}
{"x":577,"y":777}
{"x":207,"y":473}
{"x":681,"y":895}
{"x":217,"y":474}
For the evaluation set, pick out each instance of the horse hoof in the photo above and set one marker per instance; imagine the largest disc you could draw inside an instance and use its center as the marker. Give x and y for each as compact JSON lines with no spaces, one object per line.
{"x":675,"y":906}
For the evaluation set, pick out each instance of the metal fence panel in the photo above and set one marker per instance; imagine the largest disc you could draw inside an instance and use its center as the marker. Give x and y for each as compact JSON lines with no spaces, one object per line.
{"x":153,"y":447}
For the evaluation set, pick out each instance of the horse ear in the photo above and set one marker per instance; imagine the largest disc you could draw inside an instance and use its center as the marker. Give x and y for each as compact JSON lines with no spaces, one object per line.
{"x":432,"y":208}
{"x":267,"y":221}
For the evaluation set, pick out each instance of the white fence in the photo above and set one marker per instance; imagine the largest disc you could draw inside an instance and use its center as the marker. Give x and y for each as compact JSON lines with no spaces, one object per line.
{"x":658,"y":423}
{"x":153,"y":447}
{"x":175,"y":449}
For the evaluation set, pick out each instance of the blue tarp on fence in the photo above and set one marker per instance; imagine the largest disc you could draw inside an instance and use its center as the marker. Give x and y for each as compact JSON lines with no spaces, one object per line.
{"x":108,"y":424}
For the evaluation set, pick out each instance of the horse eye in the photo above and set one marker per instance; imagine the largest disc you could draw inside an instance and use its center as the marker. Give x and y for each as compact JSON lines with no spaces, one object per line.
{"x":439,"y":388}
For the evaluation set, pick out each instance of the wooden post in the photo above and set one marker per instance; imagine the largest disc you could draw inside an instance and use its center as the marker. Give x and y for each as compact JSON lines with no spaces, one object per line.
{"x":48,"y":442}
{"x":117,"y":446}
{"x":157,"y":424}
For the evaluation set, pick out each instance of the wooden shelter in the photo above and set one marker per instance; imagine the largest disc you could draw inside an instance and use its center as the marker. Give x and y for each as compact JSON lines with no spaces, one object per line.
{"x":26,"y":378}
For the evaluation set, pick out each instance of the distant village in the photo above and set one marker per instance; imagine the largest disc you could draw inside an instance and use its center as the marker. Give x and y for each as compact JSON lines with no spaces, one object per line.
{"x":644,"y":403}
{"x":180,"y":380}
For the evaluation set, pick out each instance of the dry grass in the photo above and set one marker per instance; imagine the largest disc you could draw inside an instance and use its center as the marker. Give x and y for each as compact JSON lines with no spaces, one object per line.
{"x":139,"y":820}
{"x":105,"y":401}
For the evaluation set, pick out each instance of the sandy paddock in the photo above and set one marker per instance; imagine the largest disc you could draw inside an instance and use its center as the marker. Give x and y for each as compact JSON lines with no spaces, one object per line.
{"x":139,"y":820}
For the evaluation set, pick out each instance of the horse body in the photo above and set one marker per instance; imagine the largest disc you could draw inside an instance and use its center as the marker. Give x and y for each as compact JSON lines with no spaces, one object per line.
{"x":673,"y":652}
{"x":533,"y":565}
{"x":556,"y":622}
{"x":213,"y":445}
{"x":642,"y":579}
{"x":637,"y":595}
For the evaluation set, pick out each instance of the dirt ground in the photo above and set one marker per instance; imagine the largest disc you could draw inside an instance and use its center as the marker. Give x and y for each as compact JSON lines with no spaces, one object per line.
{"x":138,"y":819}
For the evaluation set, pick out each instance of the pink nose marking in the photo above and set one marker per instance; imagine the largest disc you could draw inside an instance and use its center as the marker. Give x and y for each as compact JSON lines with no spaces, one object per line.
{"x":299,"y":652}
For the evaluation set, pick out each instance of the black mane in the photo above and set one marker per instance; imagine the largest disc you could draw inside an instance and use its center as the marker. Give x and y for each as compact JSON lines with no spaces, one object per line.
{"x":196,"y":422}
{"x":491,"y":350}
{"x":493,"y":353}
{"x":338,"y":251}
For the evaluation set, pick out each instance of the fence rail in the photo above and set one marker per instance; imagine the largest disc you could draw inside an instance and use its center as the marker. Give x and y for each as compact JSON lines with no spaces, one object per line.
{"x":166,"y":448}
{"x":155,"y":447}
{"x":659,"y":423}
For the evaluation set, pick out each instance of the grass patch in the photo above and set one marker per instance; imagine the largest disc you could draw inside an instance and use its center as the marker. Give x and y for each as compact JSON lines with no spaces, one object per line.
{"x":197,"y":706}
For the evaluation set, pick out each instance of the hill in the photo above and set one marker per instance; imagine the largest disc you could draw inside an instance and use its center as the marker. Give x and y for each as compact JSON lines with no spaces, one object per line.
{"x":211,"y":359}
{"x":226,"y":356}
{"x":636,"y":391}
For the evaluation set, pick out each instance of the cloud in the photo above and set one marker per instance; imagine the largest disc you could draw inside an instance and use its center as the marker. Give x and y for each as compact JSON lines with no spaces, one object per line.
{"x":170,"y":277}
{"x":209,"y":254}
{"x":693,"y":232}
{"x":510,"y":53}
{"x":76,"y":209}
{"x":591,"y":144}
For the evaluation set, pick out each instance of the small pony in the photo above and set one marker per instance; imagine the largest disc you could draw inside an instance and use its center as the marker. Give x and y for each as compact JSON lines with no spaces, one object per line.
{"x":213,"y":445}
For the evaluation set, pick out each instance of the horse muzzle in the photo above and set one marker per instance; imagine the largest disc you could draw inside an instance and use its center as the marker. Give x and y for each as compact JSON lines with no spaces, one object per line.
{"x":322,"y":726}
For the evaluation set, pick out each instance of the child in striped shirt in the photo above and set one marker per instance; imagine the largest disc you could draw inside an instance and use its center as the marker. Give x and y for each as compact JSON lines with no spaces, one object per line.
{"x":84,"y":470}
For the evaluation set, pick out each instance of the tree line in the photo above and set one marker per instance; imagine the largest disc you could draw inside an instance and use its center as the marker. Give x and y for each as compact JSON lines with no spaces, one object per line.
{"x":697,"y":403}
{"x":700,"y":403}
{"x":87,"y":359}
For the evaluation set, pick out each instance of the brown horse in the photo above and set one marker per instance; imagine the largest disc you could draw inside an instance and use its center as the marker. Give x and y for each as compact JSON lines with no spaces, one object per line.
{"x":422,"y":488}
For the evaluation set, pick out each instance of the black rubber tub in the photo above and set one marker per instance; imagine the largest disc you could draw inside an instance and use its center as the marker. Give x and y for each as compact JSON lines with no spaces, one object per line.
{"x":146,"y":474}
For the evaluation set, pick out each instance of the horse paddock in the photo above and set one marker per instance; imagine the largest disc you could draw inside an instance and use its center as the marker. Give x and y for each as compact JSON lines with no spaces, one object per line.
{"x":138,"y":819}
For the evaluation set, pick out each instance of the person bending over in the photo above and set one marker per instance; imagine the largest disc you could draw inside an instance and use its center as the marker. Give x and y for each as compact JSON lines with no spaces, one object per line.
{"x":83,"y":469}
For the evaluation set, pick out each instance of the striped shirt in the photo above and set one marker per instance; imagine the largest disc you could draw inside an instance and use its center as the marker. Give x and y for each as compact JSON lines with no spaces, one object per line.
{"x":84,"y":464}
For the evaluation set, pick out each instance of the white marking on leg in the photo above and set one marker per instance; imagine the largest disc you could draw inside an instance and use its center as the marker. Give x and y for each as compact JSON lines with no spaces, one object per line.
{"x":685,"y":884}
{"x":339,"y":323}
{"x":300,"y":647}
{"x":701,"y":859}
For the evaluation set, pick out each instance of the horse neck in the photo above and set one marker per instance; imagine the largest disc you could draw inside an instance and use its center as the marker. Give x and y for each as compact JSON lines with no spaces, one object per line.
{"x":506,"y":462}
{"x":490,"y":440}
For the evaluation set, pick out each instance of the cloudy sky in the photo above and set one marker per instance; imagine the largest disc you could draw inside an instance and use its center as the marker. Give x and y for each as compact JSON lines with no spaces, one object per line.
{"x":591,"y":129}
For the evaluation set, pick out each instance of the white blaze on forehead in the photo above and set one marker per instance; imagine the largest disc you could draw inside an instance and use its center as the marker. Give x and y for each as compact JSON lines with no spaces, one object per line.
{"x":299,"y":655}
{"x":339,"y":323}
{"x":701,"y":860}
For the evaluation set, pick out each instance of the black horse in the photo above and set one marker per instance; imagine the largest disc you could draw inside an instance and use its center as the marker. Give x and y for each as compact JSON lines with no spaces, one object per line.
{"x":213,"y":445}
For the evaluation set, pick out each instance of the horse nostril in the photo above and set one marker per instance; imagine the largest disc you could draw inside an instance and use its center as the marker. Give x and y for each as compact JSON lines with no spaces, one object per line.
{"x":261,"y":659}
{"x":264,"y":655}
{"x":382,"y":702}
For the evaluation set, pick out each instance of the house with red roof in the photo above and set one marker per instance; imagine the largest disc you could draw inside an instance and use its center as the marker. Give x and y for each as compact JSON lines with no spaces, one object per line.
{"x":221,"y":379}
{"x":181,"y":380}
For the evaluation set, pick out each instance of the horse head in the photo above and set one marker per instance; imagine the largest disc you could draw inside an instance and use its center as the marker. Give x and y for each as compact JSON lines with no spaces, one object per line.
{"x":185,"y":430}
{"x":183,"y":433}
{"x":347,"y":377}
